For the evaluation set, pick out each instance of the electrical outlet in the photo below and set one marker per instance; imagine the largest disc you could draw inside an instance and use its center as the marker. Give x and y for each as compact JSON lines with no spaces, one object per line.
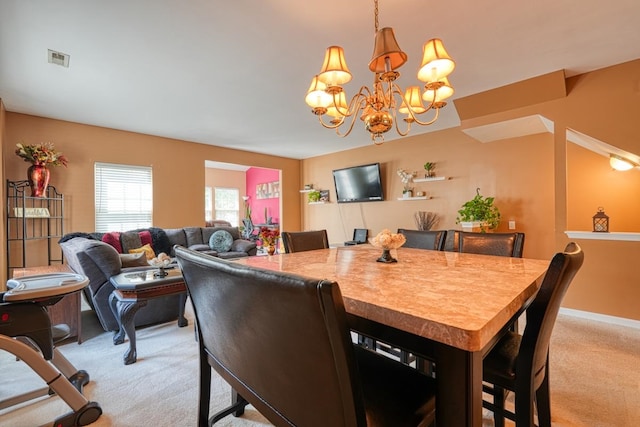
{"x":512,"y":225}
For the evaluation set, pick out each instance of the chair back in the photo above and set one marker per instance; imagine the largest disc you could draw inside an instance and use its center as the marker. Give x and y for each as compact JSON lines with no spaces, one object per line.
{"x":280,"y":340}
{"x":543,"y":311}
{"x":498,"y":244}
{"x":304,"y":240}
{"x":433,"y":240}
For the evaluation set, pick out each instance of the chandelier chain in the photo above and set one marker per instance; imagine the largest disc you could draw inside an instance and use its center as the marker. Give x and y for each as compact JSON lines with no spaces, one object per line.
{"x":375,"y":14}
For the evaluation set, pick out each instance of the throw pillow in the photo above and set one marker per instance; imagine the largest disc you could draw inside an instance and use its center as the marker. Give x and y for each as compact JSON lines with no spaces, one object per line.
{"x":221,"y":241}
{"x":146,"y":249}
{"x":130,"y":240}
{"x":113,"y":239}
{"x":134,"y":260}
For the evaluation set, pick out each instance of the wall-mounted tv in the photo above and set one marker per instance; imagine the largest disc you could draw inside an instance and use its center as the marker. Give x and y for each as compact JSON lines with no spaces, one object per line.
{"x":358,"y":184}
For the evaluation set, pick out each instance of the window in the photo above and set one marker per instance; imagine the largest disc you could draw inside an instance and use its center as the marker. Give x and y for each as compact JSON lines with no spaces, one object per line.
{"x":124,"y":197}
{"x":208,"y":212}
{"x":227,"y":204}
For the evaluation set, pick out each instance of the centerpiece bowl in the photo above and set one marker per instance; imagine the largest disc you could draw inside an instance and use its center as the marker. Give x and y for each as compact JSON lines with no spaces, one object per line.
{"x":386,"y":240}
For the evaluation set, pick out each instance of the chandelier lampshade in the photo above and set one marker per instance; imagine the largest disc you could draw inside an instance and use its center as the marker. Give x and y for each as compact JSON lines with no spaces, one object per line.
{"x":317,"y":97}
{"x":436,"y":62}
{"x":379,"y":105}
{"x":334,"y":71}
{"x":386,"y":51}
{"x":414,"y":99}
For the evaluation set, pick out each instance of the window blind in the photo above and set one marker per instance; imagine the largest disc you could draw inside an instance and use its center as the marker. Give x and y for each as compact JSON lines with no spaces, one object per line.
{"x":123,"y":197}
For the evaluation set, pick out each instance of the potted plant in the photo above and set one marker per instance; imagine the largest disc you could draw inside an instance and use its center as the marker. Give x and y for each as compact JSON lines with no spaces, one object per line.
{"x":479,"y":213}
{"x":430,"y":167}
{"x":407,"y":178}
{"x":313,"y":196}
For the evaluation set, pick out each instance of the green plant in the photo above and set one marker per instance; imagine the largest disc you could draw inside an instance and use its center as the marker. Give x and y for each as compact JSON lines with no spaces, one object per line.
{"x":429,"y":167}
{"x":480,"y":209}
{"x":313,"y":196}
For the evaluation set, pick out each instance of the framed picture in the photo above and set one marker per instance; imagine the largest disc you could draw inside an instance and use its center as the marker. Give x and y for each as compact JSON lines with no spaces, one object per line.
{"x":268,"y":190}
{"x":324,"y":195}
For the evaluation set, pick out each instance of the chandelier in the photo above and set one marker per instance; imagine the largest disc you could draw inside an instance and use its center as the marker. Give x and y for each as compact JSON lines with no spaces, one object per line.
{"x":379,"y":106}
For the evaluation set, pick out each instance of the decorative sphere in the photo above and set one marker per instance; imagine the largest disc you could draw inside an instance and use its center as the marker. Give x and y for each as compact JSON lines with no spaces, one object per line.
{"x":378,"y":122}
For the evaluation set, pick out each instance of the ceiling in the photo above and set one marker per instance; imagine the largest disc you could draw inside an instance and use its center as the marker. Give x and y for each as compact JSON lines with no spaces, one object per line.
{"x":235,"y":73}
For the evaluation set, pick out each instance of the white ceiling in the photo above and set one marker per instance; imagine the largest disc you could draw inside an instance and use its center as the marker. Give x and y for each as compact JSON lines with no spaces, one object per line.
{"x":235,"y":73}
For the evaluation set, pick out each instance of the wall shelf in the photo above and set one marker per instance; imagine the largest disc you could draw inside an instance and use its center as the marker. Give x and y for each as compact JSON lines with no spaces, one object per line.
{"x":590,"y":235}
{"x":404,"y":199}
{"x":317,"y":203}
{"x":307,"y":191}
{"x":431,"y":178}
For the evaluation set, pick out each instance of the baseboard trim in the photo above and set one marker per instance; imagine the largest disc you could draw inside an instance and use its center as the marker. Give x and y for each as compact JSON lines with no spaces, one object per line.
{"x":620,"y":321}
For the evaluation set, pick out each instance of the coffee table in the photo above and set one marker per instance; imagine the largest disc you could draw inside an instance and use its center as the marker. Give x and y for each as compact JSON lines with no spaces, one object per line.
{"x":133,"y":290}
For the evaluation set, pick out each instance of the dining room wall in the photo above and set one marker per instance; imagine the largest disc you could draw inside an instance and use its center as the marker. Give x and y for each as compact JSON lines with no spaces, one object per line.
{"x":540,"y":181}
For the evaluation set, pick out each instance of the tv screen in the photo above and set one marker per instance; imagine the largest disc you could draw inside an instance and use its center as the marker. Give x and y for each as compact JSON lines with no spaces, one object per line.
{"x":358,"y":184}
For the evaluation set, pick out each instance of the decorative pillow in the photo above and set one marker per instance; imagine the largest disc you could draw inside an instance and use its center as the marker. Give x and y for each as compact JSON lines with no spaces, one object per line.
{"x":130,"y":240}
{"x":113,"y":239}
{"x":221,"y":241}
{"x":146,"y":249}
{"x":134,"y":260}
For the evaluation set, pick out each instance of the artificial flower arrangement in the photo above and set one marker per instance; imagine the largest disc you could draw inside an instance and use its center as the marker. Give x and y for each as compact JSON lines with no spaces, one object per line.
{"x":269,"y":236}
{"x":406,"y":178}
{"x":388,"y":240}
{"x":41,"y":154}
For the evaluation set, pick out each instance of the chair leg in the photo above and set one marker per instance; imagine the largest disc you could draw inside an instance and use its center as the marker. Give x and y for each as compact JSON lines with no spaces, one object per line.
{"x":543,"y":402}
{"x":499,"y":396}
{"x":524,"y":407}
{"x":205,"y":391}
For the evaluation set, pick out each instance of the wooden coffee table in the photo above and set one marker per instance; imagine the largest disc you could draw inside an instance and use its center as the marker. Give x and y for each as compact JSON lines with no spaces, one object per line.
{"x":132,"y":291}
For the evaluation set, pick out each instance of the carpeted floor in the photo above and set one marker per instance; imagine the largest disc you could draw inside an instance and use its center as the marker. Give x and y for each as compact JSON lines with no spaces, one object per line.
{"x":595,"y":379}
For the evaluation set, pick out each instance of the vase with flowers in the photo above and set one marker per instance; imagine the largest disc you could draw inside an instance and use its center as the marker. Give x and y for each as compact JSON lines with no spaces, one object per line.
{"x":407,"y":178}
{"x":269,"y":237}
{"x":40,"y":156}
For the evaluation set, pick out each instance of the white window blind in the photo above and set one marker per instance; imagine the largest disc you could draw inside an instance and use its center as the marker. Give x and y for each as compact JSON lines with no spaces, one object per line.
{"x":208,"y":203}
{"x":124,"y":197}
{"x":227,"y":204}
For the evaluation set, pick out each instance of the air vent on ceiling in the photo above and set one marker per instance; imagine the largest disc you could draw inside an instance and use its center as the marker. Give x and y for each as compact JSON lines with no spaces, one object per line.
{"x":58,"y":58}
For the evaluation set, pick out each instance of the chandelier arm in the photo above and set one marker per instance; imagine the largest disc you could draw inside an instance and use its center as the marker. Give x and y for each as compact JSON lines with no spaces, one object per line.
{"x":362,"y":101}
{"x":331,"y":125}
{"x":429,"y":122}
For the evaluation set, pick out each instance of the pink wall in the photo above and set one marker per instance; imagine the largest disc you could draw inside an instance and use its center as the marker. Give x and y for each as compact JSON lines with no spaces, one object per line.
{"x":254,"y":177}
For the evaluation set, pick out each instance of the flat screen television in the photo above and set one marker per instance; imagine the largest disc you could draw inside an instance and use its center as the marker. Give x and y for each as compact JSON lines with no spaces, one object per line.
{"x":358,"y":184}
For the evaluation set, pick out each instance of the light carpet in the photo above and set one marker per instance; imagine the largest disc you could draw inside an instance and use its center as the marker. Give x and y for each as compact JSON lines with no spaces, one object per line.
{"x":595,"y":379}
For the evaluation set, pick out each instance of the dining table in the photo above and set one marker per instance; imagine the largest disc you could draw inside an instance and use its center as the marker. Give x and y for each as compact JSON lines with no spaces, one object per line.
{"x":447,"y":307}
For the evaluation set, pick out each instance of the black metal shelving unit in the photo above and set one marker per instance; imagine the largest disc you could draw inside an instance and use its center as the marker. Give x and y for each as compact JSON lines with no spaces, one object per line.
{"x":32,"y":218}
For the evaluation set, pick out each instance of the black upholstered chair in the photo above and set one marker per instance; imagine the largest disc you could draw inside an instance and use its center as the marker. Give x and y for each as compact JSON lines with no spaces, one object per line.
{"x":304,"y":240}
{"x":499,"y":244}
{"x":433,"y":240}
{"x":271,"y":363}
{"x":520,"y":363}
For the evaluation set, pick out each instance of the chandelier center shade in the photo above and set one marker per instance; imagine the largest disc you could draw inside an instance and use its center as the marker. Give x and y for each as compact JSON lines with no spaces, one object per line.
{"x":381,"y":106}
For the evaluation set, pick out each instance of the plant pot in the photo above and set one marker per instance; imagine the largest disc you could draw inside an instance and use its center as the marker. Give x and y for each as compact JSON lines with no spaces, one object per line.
{"x":475,"y":226}
{"x":407,"y":194}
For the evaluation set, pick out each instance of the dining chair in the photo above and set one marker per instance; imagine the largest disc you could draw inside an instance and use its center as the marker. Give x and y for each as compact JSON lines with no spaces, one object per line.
{"x":304,"y":240}
{"x":520,"y":363}
{"x":269,"y":361}
{"x":498,"y":244}
{"x":432,"y":239}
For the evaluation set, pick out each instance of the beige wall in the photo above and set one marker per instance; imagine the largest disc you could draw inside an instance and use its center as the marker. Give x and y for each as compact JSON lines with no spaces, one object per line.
{"x":542,"y":182}
{"x":178,"y":170}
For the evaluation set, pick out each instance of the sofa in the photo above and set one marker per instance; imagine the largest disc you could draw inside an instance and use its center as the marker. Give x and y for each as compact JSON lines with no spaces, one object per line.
{"x":96,"y":256}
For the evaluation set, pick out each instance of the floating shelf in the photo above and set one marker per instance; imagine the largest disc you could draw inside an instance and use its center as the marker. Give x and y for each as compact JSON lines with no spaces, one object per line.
{"x":404,"y":199}
{"x":590,"y":235}
{"x":317,"y":203}
{"x":431,"y":178}
{"x":307,"y":191}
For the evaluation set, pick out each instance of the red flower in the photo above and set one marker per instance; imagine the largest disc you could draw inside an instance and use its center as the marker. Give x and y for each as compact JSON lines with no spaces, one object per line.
{"x":269,"y":236}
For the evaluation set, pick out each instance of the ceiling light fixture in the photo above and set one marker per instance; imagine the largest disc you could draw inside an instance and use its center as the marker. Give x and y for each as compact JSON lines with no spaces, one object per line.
{"x":381,"y":103}
{"x":620,"y":163}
